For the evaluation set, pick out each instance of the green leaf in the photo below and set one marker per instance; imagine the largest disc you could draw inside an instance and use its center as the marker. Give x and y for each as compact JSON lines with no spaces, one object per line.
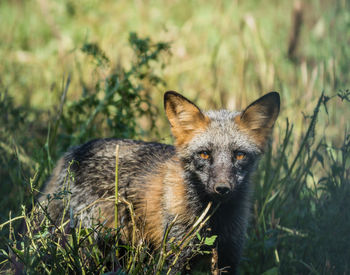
{"x":210,"y":240}
{"x":271,"y":271}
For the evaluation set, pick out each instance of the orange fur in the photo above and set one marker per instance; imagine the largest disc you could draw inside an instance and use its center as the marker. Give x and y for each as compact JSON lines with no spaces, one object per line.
{"x":165,"y":192}
{"x":260,"y":136}
{"x":176,"y":200}
{"x":151,"y":208}
{"x":258,"y":118}
{"x":185,"y":118}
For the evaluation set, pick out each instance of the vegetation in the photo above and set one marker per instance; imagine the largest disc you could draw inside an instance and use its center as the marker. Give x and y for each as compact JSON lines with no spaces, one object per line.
{"x":67,"y":75}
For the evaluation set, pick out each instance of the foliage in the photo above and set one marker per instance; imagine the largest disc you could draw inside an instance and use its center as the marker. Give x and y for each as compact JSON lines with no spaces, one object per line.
{"x":67,"y":247}
{"x":111,"y":108}
{"x":14,"y":160}
{"x":224,"y":54}
{"x":300,"y":223}
{"x":115,"y":104}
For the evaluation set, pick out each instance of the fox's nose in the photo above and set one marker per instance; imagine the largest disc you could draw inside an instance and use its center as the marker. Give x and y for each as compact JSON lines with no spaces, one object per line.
{"x":222,"y":189}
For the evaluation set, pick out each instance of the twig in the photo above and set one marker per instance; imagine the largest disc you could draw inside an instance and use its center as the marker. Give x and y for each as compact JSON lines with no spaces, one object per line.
{"x":116,"y":197}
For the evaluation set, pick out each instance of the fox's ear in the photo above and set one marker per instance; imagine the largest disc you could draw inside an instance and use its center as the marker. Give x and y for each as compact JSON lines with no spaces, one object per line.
{"x":185,"y":118}
{"x":259,"y":117}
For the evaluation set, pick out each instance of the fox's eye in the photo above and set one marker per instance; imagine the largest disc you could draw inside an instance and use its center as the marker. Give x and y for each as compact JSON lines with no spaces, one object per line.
{"x":240,"y":155}
{"x":204,"y":155}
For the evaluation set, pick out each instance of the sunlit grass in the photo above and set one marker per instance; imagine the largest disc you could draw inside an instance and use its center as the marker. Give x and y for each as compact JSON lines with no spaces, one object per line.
{"x":223,"y":55}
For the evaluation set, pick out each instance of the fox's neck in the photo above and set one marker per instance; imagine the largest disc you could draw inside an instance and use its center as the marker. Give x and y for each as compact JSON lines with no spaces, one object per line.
{"x":185,"y":199}
{"x":179,"y":197}
{"x":184,"y":195}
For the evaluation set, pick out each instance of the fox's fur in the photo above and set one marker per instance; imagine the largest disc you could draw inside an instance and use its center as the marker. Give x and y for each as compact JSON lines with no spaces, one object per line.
{"x":213,"y":158}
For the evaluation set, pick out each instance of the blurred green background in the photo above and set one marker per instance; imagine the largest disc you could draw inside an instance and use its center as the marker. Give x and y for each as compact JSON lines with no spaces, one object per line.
{"x":59,"y":57}
{"x":224,"y":53}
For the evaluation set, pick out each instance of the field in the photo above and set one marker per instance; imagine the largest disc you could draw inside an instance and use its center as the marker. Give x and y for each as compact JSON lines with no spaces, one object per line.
{"x":72,"y":71}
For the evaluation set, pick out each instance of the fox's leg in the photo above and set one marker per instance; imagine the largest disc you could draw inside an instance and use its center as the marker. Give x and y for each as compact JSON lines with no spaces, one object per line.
{"x":229,"y":253}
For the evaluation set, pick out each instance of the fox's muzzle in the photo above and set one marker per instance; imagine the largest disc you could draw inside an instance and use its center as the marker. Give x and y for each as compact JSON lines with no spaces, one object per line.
{"x":222,"y":188}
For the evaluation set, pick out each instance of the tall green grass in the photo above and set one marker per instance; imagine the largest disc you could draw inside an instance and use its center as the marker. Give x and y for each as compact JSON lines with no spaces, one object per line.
{"x":300,"y":221}
{"x":67,"y":247}
{"x":68,"y":75}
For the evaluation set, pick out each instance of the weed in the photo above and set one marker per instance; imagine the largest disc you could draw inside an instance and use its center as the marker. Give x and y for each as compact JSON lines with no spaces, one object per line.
{"x":224,"y":54}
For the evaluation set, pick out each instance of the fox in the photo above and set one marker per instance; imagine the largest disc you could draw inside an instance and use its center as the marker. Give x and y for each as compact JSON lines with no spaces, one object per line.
{"x":212,"y":160}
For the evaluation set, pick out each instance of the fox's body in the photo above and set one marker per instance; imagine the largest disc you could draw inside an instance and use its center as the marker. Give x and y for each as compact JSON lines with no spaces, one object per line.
{"x":212,"y":160}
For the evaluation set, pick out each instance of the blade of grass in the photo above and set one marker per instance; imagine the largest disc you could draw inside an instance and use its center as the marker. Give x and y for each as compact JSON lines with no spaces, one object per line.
{"x":116,"y":198}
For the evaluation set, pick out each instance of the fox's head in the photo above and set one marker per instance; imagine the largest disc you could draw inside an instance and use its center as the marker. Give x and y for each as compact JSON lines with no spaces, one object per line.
{"x":219,"y":149}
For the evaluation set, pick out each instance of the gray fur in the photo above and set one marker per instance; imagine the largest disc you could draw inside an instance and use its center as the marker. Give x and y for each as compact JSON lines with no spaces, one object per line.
{"x":93,"y":167}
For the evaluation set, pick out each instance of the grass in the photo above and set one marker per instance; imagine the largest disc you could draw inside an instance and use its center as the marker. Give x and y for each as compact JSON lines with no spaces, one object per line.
{"x":298,"y":203}
{"x":64,"y":248}
{"x":68,"y":74}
